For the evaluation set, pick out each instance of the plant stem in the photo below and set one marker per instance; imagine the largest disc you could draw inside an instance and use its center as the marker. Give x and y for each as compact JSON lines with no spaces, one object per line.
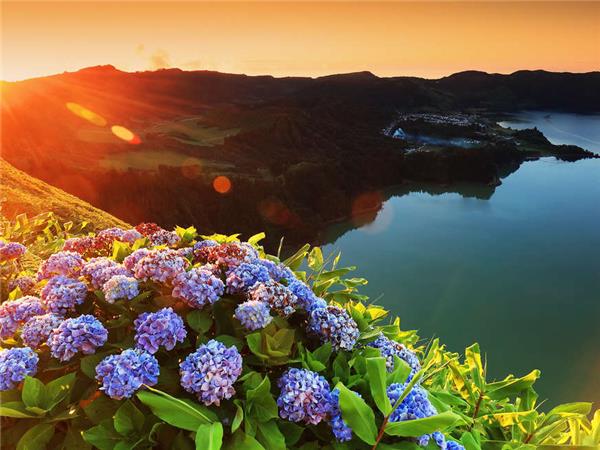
{"x":477,"y":406}
{"x":381,"y":431}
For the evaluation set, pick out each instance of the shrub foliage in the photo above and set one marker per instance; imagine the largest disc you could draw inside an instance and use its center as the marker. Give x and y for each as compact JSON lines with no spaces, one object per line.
{"x":147,"y":338}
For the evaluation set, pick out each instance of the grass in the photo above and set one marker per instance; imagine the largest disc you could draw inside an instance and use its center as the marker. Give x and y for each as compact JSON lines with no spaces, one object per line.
{"x":22,"y":193}
{"x":191,"y":131}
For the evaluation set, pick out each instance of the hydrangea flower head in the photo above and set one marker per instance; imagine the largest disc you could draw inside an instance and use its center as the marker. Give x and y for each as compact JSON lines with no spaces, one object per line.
{"x":339,"y":427}
{"x":160,"y":266}
{"x":81,"y":334}
{"x":253,"y":314}
{"x":99,"y":270}
{"x":334,"y":325}
{"x":15,"y":365}
{"x":453,"y":445}
{"x":243,"y":277}
{"x":231,"y":254}
{"x":8,"y":327}
{"x":162,"y":328}
{"x":112,"y":234}
{"x":120,"y":287}
{"x":416,"y":404}
{"x":68,"y":264}
{"x":305,"y":396}
{"x":11,"y":250}
{"x":130,"y":236}
{"x":164,"y":237}
{"x":22,"y":309}
{"x":148,"y":228}
{"x":123,"y":374}
{"x":25,"y":283}
{"x":37,"y":329}
{"x":131,"y":260}
{"x":211,"y":371}
{"x":276,"y":295}
{"x":198,"y":287}
{"x":62,"y":294}
{"x":277,"y":271}
{"x":389,"y":349}
{"x":201,"y":250}
{"x":306,"y":297}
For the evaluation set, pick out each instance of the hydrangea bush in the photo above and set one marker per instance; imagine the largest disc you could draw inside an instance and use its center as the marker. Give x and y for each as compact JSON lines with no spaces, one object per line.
{"x":149,"y":338}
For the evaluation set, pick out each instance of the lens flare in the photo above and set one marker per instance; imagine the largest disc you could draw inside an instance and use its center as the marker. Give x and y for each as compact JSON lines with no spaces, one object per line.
{"x":86,"y":114}
{"x":222,"y":184}
{"x":125,"y":134}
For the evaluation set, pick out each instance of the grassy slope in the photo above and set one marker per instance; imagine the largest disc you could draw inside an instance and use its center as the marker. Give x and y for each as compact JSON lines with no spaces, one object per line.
{"x":21,"y":193}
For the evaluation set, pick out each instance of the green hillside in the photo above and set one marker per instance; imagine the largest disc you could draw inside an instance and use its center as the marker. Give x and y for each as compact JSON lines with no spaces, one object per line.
{"x":21,"y":193}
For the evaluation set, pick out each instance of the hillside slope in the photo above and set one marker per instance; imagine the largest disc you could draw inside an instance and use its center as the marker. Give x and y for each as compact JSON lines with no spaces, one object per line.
{"x":21,"y":193}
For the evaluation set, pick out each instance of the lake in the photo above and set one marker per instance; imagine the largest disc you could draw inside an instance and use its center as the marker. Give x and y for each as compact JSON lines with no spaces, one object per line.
{"x":518,"y":272}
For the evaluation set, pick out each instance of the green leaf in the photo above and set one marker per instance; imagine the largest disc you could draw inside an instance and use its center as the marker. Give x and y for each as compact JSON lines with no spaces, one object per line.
{"x":377,"y":373}
{"x":57,"y":390}
{"x":583,"y":408}
{"x":418,"y":427}
{"x":357,"y":414}
{"x":509,"y":387}
{"x":102,"y":436}
{"x":315,"y":259}
{"x":243,"y":441}
{"x":16,"y":410}
{"x":294,"y":261}
{"x":209,"y":436}
{"x":34,"y":393}
{"x":400,"y":373}
{"x":177,"y":412}
{"x":128,"y":419}
{"x":36,"y":438}
{"x":253,"y":240}
{"x":291,"y":431}
{"x":473,"y":358}
{"x":199,"y":321}
{"x":269,"y":435}
{"x":239,"y":416}
{"x":260,"y":403}
{"x":323,"y":353}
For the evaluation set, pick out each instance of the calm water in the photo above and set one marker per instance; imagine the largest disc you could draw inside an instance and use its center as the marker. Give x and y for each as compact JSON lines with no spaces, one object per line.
{"x":519,"y":272}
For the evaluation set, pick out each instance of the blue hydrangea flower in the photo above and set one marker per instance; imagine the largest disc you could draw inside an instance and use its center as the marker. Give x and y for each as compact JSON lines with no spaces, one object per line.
{"x":11,"y":250}
{"x":211,"y":371}
{"x":243,"y":277}
{"x":101,"y":269}
{"x":22,"y":309}
{"x":37,"y":329}
{"x":277,"y":296}
{"x":131,"y":260}
{"x":389,"y":349}
{"x":122,"y":375}
{"x":277,"y":271}
{"x":81,"y":334}
{"x":25,"y":283}
{"x":68,"y":264}
{"x":453,"y":445}
{"x":162,"y":328}
{"x":416,"y":405}
{"x":339,"y":427}
{"x":305,"y":396}
{"x":15,"y":365}
{"x":306,"y":297}
{"x":253,"y":314}
{"x":62,"y":294}
{"x":120,"y":287}
{"x":334,"y":325}
{"x":160,"y":266}
{"x":198,"y":287}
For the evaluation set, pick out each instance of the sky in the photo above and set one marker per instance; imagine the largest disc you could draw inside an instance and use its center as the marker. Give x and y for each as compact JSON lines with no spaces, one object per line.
{"x":426,"y":39}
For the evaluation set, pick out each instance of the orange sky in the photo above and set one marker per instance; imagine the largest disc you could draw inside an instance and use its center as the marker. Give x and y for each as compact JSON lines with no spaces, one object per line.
{"x":424,"y":39}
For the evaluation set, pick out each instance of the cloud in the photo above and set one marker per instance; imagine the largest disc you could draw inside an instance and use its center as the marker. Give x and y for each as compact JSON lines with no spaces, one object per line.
{"x":160,"y":59}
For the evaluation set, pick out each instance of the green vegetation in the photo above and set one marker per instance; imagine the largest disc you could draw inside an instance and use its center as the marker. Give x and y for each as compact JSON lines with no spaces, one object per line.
{"x":60,"y":406}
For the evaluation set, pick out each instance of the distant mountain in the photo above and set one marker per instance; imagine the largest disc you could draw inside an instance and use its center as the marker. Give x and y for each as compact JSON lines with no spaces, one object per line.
{"x":298,"y":151}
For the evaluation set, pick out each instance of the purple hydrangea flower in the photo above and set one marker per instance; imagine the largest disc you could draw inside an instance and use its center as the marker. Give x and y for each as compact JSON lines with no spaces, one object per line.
{"x":253,"y":314}
{"x":334,"y":325}
{"x":11,"y":250}
{"x":99,"y":270}
{"x":80,"y":334}
{"x":122,"y":375}
{"x":243,"y":277}
{"x":306,"y":297}
{"x":160,"y":266}
{"x":185,"y":252}
{"x":68,"y":264}
{"x":305,"y":396}
{"x":8,"y":327}
{"x":228,"y":255}
{"x":120,"y":287}
{"x":276,"y":295}
{"x":339,"y":427}
{"x":131,"y":260}
{"x":211,"y":371}
{"x":15,"y":365}
{"x":113,"y":234}
{"x":162,"y":328}
{"x":198,"y":287}
{"x":37,"y":329}
{"x":25,"y":283}
{"x":164,"y":237}
{"x":62,"y":294}
{"x":389,"y":349}
{"x":130,"y":236}
{"x":22,"y":309}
